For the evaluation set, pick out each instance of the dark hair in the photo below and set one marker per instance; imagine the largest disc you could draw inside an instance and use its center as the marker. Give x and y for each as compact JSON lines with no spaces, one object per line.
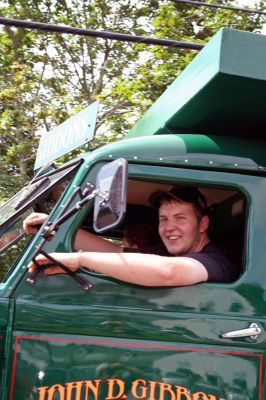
{"x":186,"y":194}
{"x":141,"y":235}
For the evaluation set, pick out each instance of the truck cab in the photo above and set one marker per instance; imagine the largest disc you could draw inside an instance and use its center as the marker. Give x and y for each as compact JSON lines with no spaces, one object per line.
{"x":95,"y":337}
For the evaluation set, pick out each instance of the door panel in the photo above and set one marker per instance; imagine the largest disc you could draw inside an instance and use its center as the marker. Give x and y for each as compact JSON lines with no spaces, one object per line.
{"x":58,"y":367}
{"x":124,"y":341}
{"x":138,"y":336}
{"x":4,"y":306}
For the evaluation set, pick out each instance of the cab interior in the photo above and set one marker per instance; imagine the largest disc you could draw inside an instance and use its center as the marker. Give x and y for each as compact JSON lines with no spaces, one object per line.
{"x":226,"y":208}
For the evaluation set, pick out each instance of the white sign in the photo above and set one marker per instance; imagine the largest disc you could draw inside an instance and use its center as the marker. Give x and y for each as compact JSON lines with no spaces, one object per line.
{"x":71,"y":134}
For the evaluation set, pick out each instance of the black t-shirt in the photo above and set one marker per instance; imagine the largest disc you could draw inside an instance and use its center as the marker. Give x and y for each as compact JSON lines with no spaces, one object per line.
{"x":219,"y":267}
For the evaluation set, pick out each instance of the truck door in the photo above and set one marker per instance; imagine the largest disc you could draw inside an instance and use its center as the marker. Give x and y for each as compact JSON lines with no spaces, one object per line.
{"x":40,"y":194}
{"x":123,"y":341}
{"x":4,"y":305}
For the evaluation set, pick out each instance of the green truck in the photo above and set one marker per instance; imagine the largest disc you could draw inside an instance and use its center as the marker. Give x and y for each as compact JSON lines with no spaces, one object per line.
{"x":87,"y":336}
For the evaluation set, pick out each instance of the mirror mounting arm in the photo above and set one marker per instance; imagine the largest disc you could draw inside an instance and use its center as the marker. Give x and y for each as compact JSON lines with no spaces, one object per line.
{"x":50,"y":230}
{"x":88,"y":194}
{"x":110,"y":192}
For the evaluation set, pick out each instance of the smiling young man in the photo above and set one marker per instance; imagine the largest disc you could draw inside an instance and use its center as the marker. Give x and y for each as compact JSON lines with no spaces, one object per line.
{"x":186,"y":256}
{"x":182,"y":225}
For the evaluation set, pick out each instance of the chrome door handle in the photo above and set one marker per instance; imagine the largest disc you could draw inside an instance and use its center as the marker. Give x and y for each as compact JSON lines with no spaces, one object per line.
{"x":253,"y":331}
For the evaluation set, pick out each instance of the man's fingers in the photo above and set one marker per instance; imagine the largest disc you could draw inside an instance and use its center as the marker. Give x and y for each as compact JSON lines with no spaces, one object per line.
{"x":29,"y":224}
{"x":42,"y":260}
{"x":31,"y":267}
{"x":70,"y":260}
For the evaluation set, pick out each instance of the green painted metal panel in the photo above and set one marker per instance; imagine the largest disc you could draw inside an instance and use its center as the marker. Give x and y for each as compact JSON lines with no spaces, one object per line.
{"x":97,"y":368}
{"x":193,"y":150}
{"x":2,"y":341}
{"x":4,"y":306}
{"x":123,"y":341}
{"x":221,"y":91}
{"x":160,"y":343}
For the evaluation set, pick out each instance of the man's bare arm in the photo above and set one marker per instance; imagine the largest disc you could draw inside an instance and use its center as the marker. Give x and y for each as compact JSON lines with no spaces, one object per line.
{"x":83,"y":241}
{"x":87,"y":241}
{"x":141,"y":269}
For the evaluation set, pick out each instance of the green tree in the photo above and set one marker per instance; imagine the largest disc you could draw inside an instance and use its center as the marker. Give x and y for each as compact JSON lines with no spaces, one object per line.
{"x":178,"y":21}
{"x":46,"y":77}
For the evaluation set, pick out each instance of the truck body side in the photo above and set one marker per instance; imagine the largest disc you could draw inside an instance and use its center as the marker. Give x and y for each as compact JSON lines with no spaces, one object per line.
{"x":124,"y":341}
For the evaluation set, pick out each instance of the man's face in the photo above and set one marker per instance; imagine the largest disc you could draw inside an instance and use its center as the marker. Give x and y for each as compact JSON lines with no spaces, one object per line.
{"x":179,"y":227}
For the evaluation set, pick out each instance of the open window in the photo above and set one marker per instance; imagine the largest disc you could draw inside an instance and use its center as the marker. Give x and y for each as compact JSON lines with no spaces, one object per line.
{"x":226,"y":208}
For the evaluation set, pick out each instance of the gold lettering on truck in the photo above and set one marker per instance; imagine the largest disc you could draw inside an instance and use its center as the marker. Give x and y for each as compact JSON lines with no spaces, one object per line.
{"x":115,"y":389}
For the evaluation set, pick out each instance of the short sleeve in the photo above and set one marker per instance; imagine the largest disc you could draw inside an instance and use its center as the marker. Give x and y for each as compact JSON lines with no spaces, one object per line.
{"x":218,"y":266}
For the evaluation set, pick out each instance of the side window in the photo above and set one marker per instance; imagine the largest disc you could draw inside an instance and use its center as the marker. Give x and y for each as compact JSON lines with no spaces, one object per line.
{"x":226,"y":209}
{"x":229,"y":210}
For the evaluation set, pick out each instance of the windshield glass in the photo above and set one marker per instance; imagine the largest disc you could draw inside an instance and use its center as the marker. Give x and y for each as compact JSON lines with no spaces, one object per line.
{"x":11,"y":207}
{"x":52,"y":184}
{"x":11,"y":234}
{"x":40,"y":195}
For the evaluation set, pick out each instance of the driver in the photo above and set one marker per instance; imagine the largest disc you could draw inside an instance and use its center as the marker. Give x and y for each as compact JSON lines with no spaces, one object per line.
{"x":186,"y":257}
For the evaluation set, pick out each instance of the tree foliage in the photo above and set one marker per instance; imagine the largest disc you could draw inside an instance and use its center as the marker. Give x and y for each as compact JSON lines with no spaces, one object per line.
{"x":46,"y":77}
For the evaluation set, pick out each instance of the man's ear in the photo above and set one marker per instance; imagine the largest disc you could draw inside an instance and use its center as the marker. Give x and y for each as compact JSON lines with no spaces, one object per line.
{"x":204,"y":223}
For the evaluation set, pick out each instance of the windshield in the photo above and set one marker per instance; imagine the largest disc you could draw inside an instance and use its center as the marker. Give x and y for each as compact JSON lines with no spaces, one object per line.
{"x":40,"y":195}
{"x":12,"y":206}
{"x":14,"y":232}
{"x":52,"y":184}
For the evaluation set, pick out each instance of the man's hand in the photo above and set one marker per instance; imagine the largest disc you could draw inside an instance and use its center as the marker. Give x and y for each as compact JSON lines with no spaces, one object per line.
{"x":33,"y":221}
{"x":70,"y":260}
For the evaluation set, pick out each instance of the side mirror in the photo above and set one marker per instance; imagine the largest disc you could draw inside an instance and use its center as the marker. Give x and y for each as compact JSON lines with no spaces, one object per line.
{"x":110,"y":203}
